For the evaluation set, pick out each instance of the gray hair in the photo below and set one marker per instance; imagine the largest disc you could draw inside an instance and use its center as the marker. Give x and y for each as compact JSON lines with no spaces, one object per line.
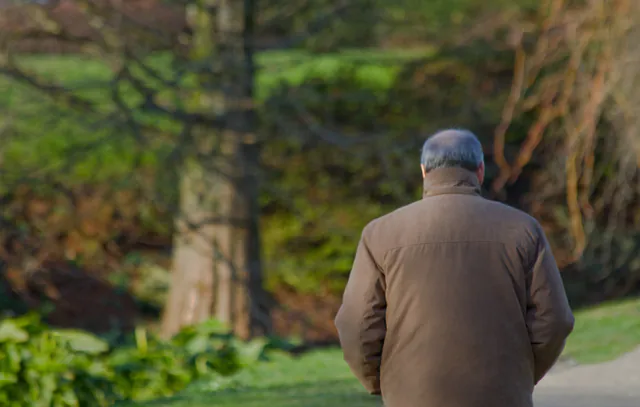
{"x":452,"y":148}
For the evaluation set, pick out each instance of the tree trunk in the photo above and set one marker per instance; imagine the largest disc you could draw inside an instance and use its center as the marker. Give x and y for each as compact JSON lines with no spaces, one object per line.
{"x":259,"y":305}
{"x":191,"y":292}
{"x":240,"y":297}
{"x":230,"y":267}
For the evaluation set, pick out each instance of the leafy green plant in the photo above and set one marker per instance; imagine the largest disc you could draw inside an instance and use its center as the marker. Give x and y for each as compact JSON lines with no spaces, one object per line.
{"x":43,"y":367}
{"x":46,"y":368}
{"x":149,"y":370}
{"x":211,"y":347}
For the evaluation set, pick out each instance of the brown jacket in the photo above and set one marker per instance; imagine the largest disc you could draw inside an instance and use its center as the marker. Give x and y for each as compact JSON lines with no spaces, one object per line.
{"x":453,"y":301}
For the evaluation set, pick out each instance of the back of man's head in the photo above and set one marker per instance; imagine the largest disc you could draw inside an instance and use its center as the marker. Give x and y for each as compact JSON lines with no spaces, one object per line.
{"x":452,"y":148}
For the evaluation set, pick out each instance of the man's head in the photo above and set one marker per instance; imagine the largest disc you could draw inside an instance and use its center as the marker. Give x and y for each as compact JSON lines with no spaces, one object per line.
{"x":453,"y":148}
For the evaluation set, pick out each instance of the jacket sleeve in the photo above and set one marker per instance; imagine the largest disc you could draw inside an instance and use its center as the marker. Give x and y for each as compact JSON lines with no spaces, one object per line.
{"x":549,"y":316}
{"x":361,"y":320}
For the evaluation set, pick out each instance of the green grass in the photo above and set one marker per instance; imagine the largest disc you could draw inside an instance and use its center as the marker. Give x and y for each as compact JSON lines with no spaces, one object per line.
{"x":41,"y":137}
{"x":322,"y":379}
{"x":318,"y":379}
{"x":374,"y":67}
{"x":605,"y":332}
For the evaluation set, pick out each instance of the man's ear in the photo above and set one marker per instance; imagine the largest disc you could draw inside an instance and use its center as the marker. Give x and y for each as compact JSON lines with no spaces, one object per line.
{"x":424,"y":171}
{"x":480,"y":173}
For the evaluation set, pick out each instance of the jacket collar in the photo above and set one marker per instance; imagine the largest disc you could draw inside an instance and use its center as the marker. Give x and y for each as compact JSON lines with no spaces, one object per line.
{"x":451,"y":181}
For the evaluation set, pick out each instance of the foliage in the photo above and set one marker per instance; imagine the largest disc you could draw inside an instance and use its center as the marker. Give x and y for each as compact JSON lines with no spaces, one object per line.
{"x":42,"y":136}
{"x":371,"y":109}
{"x":322,"y":25}
{"x":45,"y":368}
{"x":588,"y":195}
{"x":42,"y":367}
{"x":355,"y":154}
{"x":312,"y":235}
{"x":144,"y":194}
{"x":341,"y":136}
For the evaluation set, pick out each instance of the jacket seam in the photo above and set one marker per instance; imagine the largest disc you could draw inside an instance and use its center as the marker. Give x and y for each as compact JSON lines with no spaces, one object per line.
{"x":441,"y":242}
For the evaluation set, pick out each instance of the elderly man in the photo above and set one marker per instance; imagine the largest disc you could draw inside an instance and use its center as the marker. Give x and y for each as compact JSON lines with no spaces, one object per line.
{"x":454,"y":300}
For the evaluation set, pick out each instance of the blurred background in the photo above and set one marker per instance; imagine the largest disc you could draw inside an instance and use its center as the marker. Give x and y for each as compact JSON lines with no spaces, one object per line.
{"x":180,"y":176}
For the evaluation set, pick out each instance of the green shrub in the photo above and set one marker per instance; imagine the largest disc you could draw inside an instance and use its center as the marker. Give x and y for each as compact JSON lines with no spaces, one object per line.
{"x":43,"y":367}
{"x":51,"y":368}
{"x":150,"y":370}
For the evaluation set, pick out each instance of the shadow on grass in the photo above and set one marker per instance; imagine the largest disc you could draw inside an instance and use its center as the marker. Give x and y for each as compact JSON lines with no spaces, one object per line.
{"x":329,"y":393}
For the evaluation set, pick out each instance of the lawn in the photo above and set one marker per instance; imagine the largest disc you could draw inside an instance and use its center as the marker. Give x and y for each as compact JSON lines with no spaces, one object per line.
{"x":322,"y":379}
{"x":604,"y":332}
{"x":318,"y":379}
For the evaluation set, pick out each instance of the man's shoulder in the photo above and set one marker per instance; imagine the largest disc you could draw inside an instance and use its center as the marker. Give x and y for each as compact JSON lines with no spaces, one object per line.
{"x":512,"y":213}
{"x":482,"y":204}
{"x":390,"y":218}
{"x":494,"y":212}
{"x":517,"y":227}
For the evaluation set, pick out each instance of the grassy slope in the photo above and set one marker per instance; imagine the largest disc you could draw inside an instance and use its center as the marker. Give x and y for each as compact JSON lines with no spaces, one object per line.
{"x":322,"y":379}
{"x":604,"y":332}
{"x":45,"y":137}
